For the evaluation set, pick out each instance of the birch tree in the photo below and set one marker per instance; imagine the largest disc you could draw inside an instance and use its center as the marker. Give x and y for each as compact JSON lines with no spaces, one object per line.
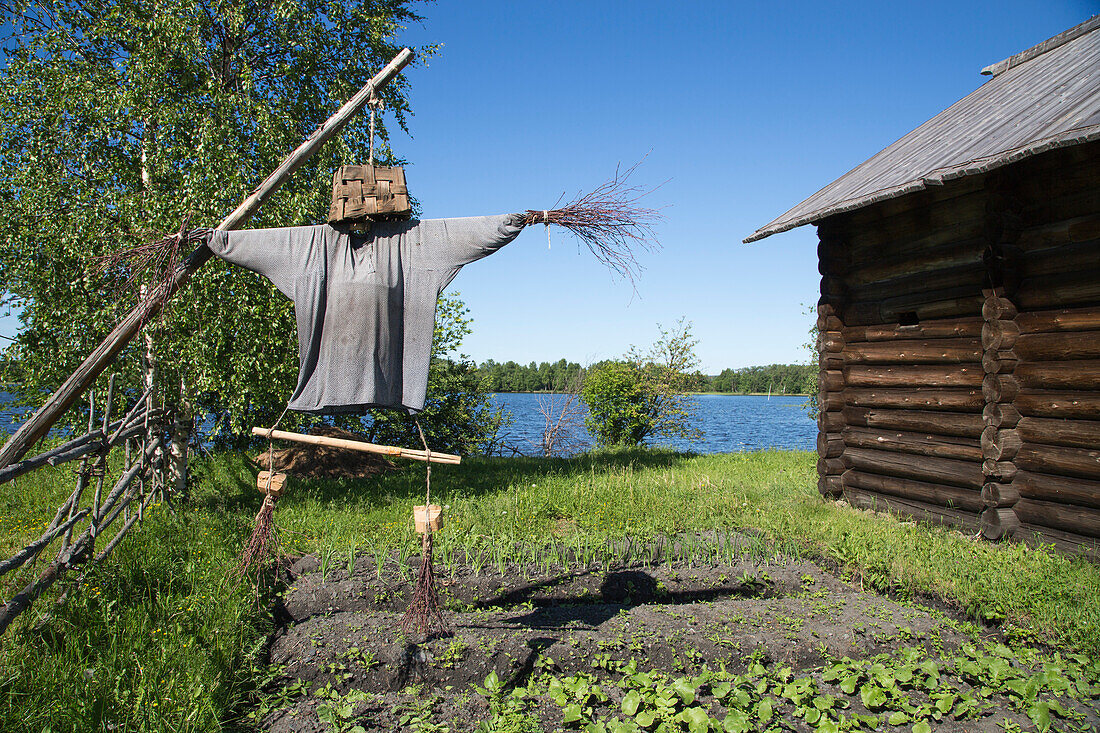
{"x":120,"y":119}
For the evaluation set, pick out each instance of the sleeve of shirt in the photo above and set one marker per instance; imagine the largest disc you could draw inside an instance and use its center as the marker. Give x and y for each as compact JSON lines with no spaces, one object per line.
{"x":277,"y":254}
{"x":451,"y":243}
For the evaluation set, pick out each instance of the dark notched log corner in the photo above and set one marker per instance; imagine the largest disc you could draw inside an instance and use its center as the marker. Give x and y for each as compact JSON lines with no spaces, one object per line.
{"x":41,"y":422}
{"x":960,"y":353}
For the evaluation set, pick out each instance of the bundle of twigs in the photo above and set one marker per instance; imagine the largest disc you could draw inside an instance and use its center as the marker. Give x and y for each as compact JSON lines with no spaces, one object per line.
{"x":264,"y":542}
{"x":154,"y":262}
{"x":609,"y":221}
{"x":424,"y":613}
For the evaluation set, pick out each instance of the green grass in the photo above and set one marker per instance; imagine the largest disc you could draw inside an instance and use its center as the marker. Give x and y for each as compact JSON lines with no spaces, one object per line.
{"x":162,"y":638}
{"x":526,"y":509}
{"x":157,"y":638}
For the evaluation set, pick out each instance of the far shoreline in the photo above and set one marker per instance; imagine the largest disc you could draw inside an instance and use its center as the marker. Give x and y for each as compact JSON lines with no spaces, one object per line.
{"x":686,"y":394}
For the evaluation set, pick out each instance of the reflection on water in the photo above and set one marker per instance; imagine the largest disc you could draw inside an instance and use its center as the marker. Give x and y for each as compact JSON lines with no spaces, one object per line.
{"x":729,"y":423}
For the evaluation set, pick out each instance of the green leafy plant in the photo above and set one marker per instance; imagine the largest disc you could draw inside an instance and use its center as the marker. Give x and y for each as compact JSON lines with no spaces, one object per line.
{"x":643,"y":396}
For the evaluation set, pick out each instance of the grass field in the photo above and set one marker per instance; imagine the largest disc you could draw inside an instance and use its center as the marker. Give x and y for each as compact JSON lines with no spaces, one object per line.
{"x":163,"y":637}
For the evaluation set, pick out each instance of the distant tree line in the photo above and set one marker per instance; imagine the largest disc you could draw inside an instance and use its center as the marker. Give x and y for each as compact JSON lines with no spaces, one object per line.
{"x":544,"y":377}
{"x":563,"y":376}
{"x":773,"y":378}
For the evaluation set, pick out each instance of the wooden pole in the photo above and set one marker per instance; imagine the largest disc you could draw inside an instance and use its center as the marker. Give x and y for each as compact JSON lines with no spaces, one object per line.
{"x":921,"y":444}
{"x":953,"y":399}
{"x":386,"y":450}
{"x":42,"y":420}
{"x":948,"y":328}
{"x":967,"y":474}
{"x":917,"y":351}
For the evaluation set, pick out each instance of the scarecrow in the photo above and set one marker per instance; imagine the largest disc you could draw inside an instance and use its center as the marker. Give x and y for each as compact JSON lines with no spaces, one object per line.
{"x":365,"y":286}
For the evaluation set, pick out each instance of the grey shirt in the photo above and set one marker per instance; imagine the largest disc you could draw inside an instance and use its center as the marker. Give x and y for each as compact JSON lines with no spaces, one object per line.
{"x":365,"y":303}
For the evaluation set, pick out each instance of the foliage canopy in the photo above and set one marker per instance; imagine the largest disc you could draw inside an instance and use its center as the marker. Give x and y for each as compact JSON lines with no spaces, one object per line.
{"x":120,"y":119}
{"x":643,"y":396}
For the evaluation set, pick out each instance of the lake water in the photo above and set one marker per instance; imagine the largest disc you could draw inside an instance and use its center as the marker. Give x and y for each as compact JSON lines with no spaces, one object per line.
{"x":730,"y":423}
{"x":10,"y":417}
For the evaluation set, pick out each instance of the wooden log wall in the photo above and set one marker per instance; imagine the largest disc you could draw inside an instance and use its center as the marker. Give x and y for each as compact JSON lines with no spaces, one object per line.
{"x":1054,"y":342}
{"x":960,"y":352}
{"x":913,"y":405}
{"x":830,"y":399}
{"x":1000,"y":440}
{"x":901,"y":358}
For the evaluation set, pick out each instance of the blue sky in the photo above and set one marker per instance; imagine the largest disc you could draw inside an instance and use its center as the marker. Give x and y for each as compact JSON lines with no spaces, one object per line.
{"x":743,"y":108}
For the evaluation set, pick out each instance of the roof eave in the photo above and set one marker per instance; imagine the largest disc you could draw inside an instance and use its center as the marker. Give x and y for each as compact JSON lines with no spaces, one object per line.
{"x":935,"y":178}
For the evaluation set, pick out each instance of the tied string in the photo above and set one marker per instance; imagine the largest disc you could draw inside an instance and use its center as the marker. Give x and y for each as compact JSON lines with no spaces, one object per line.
{"x":428,"y":479}
{"x":271,"y":457}
{"x":375,"y":105}
{"x":546,"y":223}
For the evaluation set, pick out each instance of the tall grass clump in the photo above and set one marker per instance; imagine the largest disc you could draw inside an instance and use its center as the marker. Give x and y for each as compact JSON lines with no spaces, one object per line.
{"x":157,"y":638}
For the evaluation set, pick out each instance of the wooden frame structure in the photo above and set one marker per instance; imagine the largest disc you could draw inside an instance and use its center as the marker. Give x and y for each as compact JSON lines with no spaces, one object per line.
{"x":142,"y":479}
{"x":959,"y":316}
{"x":144,"y":429}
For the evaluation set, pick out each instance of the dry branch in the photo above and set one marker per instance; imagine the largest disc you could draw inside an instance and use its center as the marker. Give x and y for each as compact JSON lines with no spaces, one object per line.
{"x":609,"y":221}
{"x":153,"y":263}
{"x":32,"y":550}
{"x":80,"y":447}
{"x":122,"y":532}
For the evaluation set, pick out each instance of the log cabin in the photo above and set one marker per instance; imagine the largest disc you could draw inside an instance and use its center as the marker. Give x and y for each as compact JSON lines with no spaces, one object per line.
{"x":959,"y":318}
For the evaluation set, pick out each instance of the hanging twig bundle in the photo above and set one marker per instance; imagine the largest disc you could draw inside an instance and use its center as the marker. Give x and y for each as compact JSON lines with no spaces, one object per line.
{"x":154,"y":262}
{"x":264,"y":542}
{"x":424,"y":613}
{"x":609,"y":221}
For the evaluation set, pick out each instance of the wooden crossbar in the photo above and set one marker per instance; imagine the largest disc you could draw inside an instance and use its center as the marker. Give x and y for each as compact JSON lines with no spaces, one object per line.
{"x":386,"y":450}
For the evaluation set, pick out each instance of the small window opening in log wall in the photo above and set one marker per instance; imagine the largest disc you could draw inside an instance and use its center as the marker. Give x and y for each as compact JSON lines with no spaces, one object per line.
{"x":908,"y":318}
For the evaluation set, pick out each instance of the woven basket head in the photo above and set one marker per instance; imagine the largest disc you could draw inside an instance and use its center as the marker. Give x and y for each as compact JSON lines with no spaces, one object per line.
{"x":371,"y":193}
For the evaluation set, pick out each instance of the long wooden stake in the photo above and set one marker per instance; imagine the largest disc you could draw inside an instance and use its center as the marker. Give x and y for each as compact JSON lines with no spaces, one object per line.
{"x":42,"y":420}
{"x":77,"y":448}
{"x":386,"y":450}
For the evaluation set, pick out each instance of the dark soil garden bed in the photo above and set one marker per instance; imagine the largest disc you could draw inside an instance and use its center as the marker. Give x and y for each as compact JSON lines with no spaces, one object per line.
{"x":778,"y":633}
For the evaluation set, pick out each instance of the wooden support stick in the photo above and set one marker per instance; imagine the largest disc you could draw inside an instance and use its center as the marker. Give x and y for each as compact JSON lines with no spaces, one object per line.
{"x":123,"y":482}
{"x":89,"y":447}
{"x":82,"y":476}
{"x":122,"y":532}
{"x":32,"y":550}
{"x":386,"y":450}
{"x":42,"y":420}
{"x":77,"y":448}
{"x":133,"y":414}
{"x":24,"y":598}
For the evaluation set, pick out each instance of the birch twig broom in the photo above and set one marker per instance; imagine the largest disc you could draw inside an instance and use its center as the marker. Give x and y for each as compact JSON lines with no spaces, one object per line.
{"x":153,"y":263}
{"x":424,"y":613}
{"x":610,"y":221}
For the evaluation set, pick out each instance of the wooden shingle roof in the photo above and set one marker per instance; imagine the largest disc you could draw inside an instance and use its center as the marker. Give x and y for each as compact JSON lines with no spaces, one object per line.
{"x":1043,"y":98}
